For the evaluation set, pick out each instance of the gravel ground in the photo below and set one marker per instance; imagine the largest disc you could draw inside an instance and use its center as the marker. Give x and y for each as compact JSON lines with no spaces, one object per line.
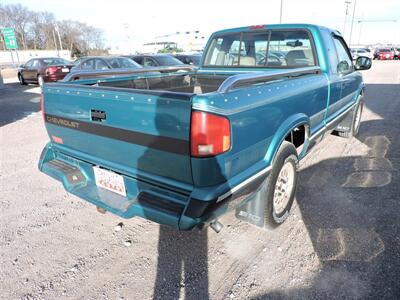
{"x":341,"y":241}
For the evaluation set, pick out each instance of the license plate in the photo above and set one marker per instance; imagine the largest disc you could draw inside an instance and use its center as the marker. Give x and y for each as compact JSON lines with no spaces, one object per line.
{"x":110,"y":181}
{"x":65,"y":70}
{"x":387,"y":55}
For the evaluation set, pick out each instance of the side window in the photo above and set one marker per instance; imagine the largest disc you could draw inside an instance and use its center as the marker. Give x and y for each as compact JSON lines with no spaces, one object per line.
{"x":87,"y":64}
{"x":29,"y":63}
{"x":345,"y":63}
{"x":35,"y":64}
{"x":101,"y":65}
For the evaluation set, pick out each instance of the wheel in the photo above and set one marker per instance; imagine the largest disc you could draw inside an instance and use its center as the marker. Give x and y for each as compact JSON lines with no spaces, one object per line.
{"x":281,"y":186}
{"x":355,"y":122}
{"x":21,"y":79}
{"x":40,"y":80}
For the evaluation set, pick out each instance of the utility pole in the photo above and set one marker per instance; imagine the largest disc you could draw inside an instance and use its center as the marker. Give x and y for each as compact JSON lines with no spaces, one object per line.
{"x":280,"y":17}
{"x":352,"y":21}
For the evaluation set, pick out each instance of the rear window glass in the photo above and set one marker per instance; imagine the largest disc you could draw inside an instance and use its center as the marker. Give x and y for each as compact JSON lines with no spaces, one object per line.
{"x":122,"y":62}
{"x":275,"y":49}
{"x":168,"y":60}
{"x":55,"y":61}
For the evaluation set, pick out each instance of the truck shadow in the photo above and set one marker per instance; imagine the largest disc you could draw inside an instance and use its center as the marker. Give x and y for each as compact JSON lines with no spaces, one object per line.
{"x":18,"y":101}
{"x":182,"y":264}
{"x":350,"y":208}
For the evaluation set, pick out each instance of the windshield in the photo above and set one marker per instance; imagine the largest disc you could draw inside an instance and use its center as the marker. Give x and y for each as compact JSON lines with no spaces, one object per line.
{"x":168,"y":60}
{"x":122,"y":62}
{"x":272,"y":49}
{"x":384,"y":50}
{"x":55,"y":61}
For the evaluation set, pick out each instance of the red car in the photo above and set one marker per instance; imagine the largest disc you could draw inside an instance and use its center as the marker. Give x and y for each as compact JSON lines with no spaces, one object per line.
{"x":41,"y":70}
{"x":384,"y":54}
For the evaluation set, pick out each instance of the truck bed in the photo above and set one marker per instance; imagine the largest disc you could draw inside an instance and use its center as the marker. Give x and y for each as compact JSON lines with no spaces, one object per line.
{"x":192,"y":82}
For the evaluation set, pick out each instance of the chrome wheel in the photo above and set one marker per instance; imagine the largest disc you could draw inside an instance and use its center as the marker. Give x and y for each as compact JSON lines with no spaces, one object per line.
{"x":284,"y":187}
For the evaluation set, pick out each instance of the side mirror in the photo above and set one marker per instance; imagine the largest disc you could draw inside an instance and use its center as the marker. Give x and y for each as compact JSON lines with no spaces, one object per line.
{"x":363,"y":63}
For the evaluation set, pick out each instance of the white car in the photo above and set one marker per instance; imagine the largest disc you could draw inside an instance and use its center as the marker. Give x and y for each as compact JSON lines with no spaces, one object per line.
{"x":361,"y":52}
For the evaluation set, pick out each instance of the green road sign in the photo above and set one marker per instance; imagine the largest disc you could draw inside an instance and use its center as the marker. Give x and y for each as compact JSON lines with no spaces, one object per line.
{"x":10,"y":39}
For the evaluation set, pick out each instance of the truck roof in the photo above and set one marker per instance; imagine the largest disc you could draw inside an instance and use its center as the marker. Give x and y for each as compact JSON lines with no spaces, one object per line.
{"x":276,"y":26}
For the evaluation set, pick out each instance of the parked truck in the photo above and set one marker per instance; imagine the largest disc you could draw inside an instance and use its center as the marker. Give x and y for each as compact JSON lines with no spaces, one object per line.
{"x":181,"y":149}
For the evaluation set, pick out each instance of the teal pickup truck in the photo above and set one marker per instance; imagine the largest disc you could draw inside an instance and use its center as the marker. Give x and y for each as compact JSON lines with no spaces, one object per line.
{"x":183,"y":148}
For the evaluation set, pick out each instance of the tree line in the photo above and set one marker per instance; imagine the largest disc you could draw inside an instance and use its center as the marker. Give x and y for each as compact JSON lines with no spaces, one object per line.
{"x":39,"y":30}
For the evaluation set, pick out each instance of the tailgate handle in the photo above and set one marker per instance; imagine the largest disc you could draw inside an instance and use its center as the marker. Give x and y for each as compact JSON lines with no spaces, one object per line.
{"x":98,"y":115}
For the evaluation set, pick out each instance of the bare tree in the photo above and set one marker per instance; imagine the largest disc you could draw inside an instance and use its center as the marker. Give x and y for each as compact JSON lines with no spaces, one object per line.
{"x":36,"y":30}
{"x":41,"y":30}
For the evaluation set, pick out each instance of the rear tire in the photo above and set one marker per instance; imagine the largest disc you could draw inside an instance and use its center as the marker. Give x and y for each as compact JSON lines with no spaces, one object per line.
{"x":281,"y":186}
{"x":21,"y":79}
{"x":355,"y":123}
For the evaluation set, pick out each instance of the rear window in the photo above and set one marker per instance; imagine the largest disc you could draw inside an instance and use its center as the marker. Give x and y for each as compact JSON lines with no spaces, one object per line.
{"x":168,"y":60}
{"x":55,"y":61}
{"x":122,"y":62}
{"x":384,"y":50}
{"x":272,"y":49}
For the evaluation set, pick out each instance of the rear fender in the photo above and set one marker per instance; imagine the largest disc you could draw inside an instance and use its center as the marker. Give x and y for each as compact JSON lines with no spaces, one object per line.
{"x":286,"y":127}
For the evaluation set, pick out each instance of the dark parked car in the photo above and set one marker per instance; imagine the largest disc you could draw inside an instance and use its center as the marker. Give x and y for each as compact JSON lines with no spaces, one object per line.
{"x":41,"y":70}
{"x":396,"y":53}
{"x":104,"y":63}
{"x":156,"y":60}
{"x":189,"y":59}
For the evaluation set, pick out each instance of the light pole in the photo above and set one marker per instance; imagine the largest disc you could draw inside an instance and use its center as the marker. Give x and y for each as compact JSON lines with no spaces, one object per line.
{"x":280,"y":16}
{"x":55,"y":43}
{"x":59,"y":37}
{"x":345,"y":16}
{"x":352,"y":21}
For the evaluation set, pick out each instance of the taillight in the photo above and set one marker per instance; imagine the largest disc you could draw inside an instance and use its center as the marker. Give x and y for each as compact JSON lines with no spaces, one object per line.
{"x":210,"y":134}
{"x":42,"y":105}
{"x":255,"y":27}
{"x":51,"y":70}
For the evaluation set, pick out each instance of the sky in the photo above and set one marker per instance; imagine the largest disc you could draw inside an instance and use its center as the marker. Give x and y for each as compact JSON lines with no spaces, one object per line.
{"x":127,"y":23}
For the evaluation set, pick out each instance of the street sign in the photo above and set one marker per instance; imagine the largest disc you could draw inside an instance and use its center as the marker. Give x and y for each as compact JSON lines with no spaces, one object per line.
{"x":10,"y":39}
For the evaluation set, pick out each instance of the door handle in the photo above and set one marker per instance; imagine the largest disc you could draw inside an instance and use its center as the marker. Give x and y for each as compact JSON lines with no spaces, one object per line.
{"x":98,"y":115}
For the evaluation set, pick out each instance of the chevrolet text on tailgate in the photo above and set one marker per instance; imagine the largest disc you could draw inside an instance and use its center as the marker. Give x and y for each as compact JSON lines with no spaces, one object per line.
{"x":183,"y":148}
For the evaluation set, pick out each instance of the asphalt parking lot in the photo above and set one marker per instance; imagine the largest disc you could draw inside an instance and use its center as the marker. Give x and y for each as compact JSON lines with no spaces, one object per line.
{"x":341,"y":241}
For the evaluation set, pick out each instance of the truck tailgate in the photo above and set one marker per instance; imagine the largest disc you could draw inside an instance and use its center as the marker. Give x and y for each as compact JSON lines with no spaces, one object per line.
{"x":144,"y":134}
